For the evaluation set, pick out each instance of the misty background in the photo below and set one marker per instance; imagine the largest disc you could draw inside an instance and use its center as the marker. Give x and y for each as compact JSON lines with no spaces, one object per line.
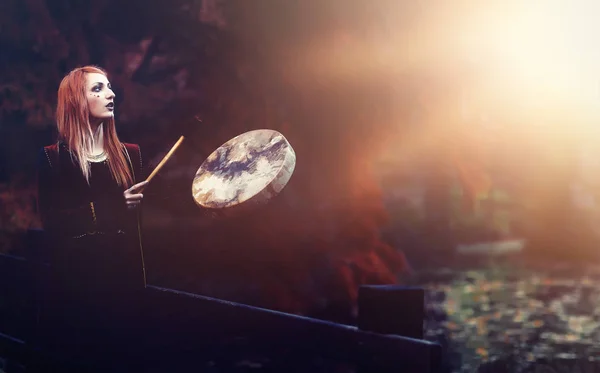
{"x":421,"y":131}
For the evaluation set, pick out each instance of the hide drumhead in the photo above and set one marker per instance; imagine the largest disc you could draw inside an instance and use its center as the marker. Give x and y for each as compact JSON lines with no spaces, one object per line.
{"x":249,"y":169}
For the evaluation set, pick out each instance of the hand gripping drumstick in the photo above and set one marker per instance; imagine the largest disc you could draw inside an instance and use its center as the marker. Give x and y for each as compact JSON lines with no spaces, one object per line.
{"x":164,"y":160}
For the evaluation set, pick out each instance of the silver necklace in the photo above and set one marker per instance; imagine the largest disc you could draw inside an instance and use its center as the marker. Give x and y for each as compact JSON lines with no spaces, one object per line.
{"x":97,"y":158}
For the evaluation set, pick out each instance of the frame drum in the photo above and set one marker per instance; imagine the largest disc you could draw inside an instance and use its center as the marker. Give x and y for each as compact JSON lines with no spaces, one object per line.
{"x":246,"y":171}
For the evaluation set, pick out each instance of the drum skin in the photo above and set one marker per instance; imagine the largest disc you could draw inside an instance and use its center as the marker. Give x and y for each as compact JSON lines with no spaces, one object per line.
{"x":246,"y":171}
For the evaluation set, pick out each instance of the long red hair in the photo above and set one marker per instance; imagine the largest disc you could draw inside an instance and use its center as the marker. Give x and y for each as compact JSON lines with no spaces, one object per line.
{"x":72,"y":119}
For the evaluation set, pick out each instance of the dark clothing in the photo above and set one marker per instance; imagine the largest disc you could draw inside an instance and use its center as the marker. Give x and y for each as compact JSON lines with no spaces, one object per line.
{"x":71,"y":208}
{"x":93,"y":300}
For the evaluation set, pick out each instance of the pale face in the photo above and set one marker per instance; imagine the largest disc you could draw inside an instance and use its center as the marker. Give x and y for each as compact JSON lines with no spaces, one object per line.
{"x":100,"y":97}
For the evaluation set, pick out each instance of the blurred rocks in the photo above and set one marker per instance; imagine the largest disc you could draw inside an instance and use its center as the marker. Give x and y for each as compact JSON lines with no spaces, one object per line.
{"x":499,"y":318}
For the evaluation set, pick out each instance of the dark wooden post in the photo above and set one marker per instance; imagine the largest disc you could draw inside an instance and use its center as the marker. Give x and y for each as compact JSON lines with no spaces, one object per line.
{"x":391,"y":309}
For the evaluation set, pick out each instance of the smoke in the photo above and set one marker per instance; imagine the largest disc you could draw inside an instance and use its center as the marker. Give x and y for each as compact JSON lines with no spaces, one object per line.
{"x":310,"y":248}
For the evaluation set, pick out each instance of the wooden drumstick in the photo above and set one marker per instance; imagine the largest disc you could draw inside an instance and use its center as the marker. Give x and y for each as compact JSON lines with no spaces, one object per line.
{"x":164,"y":160}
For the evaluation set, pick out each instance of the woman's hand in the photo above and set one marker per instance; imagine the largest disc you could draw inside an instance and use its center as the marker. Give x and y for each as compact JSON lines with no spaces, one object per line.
{"x":134,"y":196}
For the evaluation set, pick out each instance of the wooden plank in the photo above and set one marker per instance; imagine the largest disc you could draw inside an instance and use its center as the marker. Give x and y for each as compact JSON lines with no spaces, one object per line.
{"x":186,"y":318}
{"x":182,"y":325}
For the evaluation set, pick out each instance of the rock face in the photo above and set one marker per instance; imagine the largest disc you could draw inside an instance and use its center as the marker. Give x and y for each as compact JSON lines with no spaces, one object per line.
{"x":249,"y":169}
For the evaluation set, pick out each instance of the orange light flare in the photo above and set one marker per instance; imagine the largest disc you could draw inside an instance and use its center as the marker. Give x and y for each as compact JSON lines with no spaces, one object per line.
{"x":536,"y":62}
{"x":541,"y":57}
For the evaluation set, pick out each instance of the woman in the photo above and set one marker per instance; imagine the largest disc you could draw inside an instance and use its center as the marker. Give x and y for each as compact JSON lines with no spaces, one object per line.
{"x":89,"y":196}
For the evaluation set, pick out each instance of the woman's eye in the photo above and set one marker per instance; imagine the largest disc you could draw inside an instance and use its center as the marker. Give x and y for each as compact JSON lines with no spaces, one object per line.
{"x":97,"y":89}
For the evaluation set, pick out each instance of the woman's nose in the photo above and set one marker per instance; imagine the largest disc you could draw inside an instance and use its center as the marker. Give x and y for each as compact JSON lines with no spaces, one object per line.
{"x":110,"y":94}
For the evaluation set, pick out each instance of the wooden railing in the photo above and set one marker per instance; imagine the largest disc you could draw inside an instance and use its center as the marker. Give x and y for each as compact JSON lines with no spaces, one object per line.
{"x":388,"y":337}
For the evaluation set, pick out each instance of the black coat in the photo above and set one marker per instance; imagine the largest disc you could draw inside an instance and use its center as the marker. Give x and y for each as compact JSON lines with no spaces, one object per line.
{"x":94,"y":248}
